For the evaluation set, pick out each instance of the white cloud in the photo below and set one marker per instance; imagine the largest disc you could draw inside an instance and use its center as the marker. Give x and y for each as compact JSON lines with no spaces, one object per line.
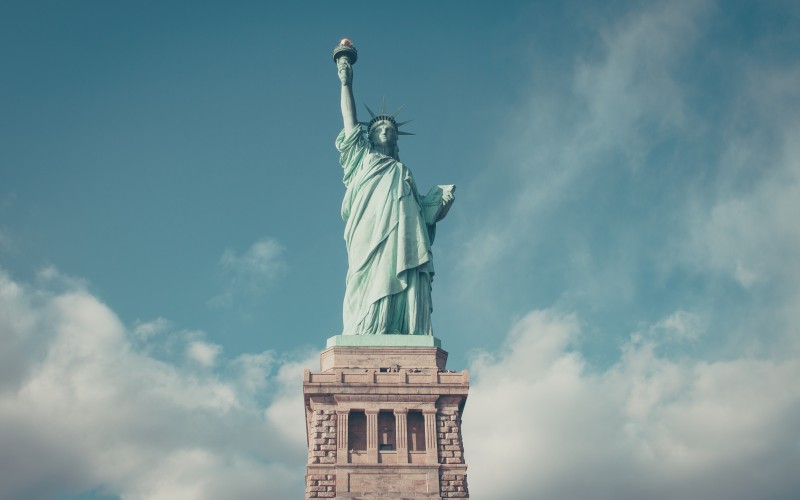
{"x":262,"y":258}
{"x":540,"y":424}
{"x":22,"y":330}
{"x":254,"y":370}
{"x":680,"y":326}
{"x":149,"y":329}
{"x":204,"y":353}
{"x":90,"y":410}
{"x":634,"y":84}
{"x":745,"y":235}
{"x":752,"y":236}
{"x":50,"y":277}
{"x":288,"y":408}
{"x":83,"y":407}
{"x":248,"y":274}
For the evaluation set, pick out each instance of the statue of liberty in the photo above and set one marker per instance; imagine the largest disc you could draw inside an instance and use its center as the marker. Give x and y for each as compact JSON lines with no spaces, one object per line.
{"x":389,"y":227}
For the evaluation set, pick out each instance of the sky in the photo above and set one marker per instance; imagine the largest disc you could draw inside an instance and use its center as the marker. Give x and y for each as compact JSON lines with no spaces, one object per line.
{"x":620,"y":272}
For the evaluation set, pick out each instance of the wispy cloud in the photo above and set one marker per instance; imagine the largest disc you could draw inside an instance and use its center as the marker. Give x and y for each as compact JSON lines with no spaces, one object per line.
{"x":263,"y":259}
{"x":660,"y":167}
{"x":203,"y":353}
{"x":582,"y":132}
{"x":148,"y":329}
{"x":249,"y":273}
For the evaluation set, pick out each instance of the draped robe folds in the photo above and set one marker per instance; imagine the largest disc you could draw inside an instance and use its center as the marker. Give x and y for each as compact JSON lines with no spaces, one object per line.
{"x":388,"y":244}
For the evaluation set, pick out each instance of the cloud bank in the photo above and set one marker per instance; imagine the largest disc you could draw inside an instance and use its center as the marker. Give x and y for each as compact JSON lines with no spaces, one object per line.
{"x":84,"y":406}
{"x":540,"y":423}
{"x":87,"y":404}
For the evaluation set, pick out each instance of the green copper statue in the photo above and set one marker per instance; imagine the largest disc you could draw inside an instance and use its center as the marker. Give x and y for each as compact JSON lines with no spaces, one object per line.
{"x":389,"y":227}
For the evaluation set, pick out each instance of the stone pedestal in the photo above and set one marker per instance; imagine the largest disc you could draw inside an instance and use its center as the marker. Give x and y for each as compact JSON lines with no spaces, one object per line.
{"x":384,"y":422}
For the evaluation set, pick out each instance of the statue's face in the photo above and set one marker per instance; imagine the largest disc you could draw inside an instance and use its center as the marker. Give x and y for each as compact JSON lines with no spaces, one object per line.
{"x":383,"y":134}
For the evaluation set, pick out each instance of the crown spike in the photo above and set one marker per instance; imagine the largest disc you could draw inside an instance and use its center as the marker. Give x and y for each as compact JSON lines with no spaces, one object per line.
{"x":400,"y":132}
{"x":394,"y":115}
{"x":371,"y":114}
{"x":400,"y":124}
{"x":383,"y":105}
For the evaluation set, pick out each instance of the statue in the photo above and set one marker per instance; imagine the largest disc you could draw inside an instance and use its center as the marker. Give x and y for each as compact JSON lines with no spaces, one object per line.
{"x":389,"y":226}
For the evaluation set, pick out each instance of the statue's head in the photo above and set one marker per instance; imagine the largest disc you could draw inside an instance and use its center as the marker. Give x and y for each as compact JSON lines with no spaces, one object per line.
{"x":383,"y":133}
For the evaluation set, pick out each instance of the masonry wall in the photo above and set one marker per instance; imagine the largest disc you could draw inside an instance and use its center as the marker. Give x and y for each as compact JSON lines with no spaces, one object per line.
{"x":322,"y":437}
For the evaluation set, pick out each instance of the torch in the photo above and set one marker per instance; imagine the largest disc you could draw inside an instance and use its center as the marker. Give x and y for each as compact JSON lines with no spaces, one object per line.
{"x":347,"y":50}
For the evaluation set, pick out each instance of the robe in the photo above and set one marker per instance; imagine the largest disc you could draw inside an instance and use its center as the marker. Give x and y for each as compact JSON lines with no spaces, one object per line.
{"x":390,"y":264}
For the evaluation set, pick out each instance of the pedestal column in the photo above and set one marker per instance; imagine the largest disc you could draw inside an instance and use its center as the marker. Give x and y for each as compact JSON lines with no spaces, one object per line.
{"x":401,"y":423}
{"x":372,"y":436}
{"x":430,"y":435}
{"x":342,"y":436}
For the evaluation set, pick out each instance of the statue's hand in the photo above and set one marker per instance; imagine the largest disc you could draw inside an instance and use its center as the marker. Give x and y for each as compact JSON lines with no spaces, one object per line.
{"x":345,"y":71}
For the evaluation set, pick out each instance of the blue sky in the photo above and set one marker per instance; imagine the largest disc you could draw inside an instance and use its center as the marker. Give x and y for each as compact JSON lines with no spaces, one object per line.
{"x":619,"y":272}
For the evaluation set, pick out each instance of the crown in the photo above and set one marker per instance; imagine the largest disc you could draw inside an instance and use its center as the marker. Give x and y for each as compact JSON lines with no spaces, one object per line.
{"x":384,"y":117}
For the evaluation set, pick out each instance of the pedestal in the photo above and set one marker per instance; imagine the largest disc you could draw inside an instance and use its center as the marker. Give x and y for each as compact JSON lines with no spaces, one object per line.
{"x":384,"y":421}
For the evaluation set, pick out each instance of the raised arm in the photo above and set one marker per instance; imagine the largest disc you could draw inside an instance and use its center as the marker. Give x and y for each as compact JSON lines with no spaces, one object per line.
{"x":348,"y":102}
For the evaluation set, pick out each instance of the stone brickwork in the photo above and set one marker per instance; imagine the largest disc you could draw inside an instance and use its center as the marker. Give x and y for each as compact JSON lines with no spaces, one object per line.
{"x":454,"y":485}
{"x":321,"y":486}
{"x":322,"y":437}
{"x":451,"y":449}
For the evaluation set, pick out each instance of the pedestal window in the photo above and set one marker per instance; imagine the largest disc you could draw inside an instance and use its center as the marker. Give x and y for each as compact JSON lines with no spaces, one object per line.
{"x":357,"y":431}
{"x":416,"y":431}
{"x":387,"y":440}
